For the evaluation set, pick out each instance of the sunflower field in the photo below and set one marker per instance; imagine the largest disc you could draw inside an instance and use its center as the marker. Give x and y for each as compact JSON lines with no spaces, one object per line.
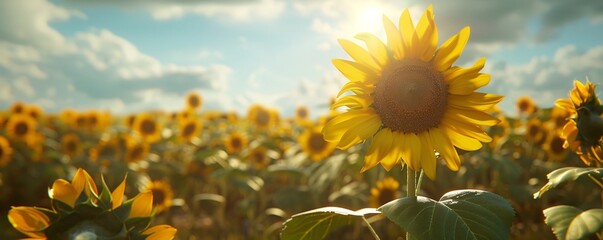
{"x":409,"y":148}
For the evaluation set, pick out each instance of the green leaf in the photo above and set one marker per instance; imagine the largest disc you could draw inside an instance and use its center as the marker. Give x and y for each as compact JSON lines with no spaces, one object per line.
{"x":105,"y":200}
{"x":318,"y":223}
{"x":462,"y":214}
{"x":569,"y":222}
{"x":567,"y":174}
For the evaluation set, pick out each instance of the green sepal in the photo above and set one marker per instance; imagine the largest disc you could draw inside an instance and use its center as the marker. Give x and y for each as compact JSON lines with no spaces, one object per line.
{"x":60,"y":207}
{"x":123,"y":211}
{"x":105,"y":200}
{"x":138,"y":224}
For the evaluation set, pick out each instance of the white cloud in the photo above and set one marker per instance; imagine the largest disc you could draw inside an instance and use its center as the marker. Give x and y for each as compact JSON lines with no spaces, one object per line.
{"x":546,"y":79}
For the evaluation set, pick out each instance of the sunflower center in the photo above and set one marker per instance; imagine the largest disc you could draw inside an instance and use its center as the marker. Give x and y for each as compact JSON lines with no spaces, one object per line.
{"x":158,"y":197}
{"x":21,"y":128}
{"x":262,"y":118}
{"x":302,"y":113}
{"x":317,"y":142}
{"x":147,"y":126}
{"x":386,"y":195}
{"x":193,"y":101}
{"x":411,"y":96}
{"x":533,"y":130}
{"x":189,"y":129}
{"x":236,"y":143}
{"x":136,"y":152}
{"x":70,"y":146}
{"x":557,"y":145}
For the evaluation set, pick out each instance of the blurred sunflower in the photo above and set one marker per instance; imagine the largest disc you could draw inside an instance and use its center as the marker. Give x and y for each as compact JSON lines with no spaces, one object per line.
{"x":71,"y":145}
{"x":554,"y":148}
{"x":81,"y":121}
{"x":17,"y":108}
{"x":235,"y":142}
{"x":193,"y":100}
{"x":526,"y":105}
{"x":384,"y":191}
{"x":129,"y":121}
{"x":559,"y":116}
{"x":535,"y":131}
{"x":147,"y":127}
{"x":136,"y":150}
{"x":34,"y":111}
{"x":584,"y":131}
{"x":68,"y":116}
{"x":162,"y":195}
{"x":198,"y":169}
{"x":409,"y":98}
{"x":258,"y":158}
{"x":262,"y":117}
{"x":108,"y":148}
{"x":189,"y":128}
{"x":313,"y":143}
{"x":301,"y":114}
{"x":6,"y":152}
{"x":21,"y":127}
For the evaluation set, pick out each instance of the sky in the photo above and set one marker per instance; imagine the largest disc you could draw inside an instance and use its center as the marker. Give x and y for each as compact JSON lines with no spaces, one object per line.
{"x":140,"y":55}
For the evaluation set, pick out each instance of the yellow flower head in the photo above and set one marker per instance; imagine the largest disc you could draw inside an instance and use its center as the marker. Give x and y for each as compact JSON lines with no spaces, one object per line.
{"x":6,"y":151}
{"x":162,"y":195}
{"x":18,"y":108}
{"x":258,"y":158}
{"x":262,"y":117}
{"x":235,"y":142}
{"x":136,"y":150}
{"x":71,"y":145}
{"x":147,"y":127}
{"x":189,"y":128}
{"x":193,"y":100}
{"x":29,"y":221}
{"x":409,"y":98}
{"x":526,"y":105}
{"x":312,"y":143}
{"x":34,"y":111}
{"x":21,"y":127}
{"x":584,"y":131}
{"x":384,"y":191}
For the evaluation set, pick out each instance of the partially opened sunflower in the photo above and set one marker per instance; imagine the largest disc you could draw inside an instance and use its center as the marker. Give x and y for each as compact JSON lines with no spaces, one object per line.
{"x":409,"y":99}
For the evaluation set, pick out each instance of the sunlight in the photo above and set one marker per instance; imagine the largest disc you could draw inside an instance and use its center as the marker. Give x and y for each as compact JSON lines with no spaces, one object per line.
{"x":369,"y":19}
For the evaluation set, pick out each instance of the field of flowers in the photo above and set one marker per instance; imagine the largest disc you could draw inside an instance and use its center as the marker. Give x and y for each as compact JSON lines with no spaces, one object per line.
{"x":201,"y":174}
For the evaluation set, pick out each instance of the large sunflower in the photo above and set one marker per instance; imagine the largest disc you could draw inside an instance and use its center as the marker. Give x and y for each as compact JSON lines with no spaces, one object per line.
{"x":583,"y":133}
{"x":409,"y":98}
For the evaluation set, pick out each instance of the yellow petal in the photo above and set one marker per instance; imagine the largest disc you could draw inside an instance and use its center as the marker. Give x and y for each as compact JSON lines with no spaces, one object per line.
{"x":356,"y":102}
{"x":356,"y":87}
{"x":411,"y":151}
{"x":459,"y":140}
{"x":447,"y":54}
{"x":444,"y":146}
{"x":142,"y":205}
{"x":456,"y":72}
{"x":355,"y":72}
{"x":379,"y":146}
{"x":407,"y":29}
{"x":474,"y":101}
{"x":65,"y":192}
{"x":359,"y":131}
{"x":160,"y":232}
{"x":82,"y":180}
{"x":376,"y":48}
{"x":465,"y":86}
{"x":336,"y":127}
{"x":394,"y":40}
{"x":564,"y":103}
{"x":118,"y":194}
{"x":427,"y":36}
{"x":28,"y":220}
{"x":359,"y":54}
{"x":395,"y":154}
{"x":470,"y":116}
{"x":428,"y":161}
{"x":468,"y":129}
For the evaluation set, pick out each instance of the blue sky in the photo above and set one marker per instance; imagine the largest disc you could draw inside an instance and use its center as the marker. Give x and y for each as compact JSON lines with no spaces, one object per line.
{"x":143,"y":55}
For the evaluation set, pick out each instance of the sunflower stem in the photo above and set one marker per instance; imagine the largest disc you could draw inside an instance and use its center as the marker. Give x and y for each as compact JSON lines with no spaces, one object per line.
{"x":375,"y":235}
{"x":410,"y":187}
{"x":419,"y":181}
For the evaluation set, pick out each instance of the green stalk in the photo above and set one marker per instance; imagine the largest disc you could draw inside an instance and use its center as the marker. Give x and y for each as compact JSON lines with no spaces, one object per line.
{"x":410,"y":188}
{"x":371,"y":228}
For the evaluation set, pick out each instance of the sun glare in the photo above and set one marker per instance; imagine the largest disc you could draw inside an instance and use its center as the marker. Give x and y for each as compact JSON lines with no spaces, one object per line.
{"x":369,"y":19}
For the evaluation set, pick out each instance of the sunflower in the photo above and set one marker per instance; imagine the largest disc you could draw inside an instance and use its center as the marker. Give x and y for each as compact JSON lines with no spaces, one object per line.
{"x":235,"y":142}
{"x":384,"y":191}
{"x":189,"y":128}
{"x":258,"y":158}
{"x":583,"y":132}
{"x":147,"y":127}
{"x":301,"y":114}
{"x":71,"y":145}
{"x":106,"y":149}
{"x":193,"y":100}
{"x":29,"y":221}
{"x":162,"y":194}
{"x":554,"y":148}
{"x":313,"y":143}
{"x":136,"y":150}
{"x":409,"y":98}
{"x":559,"y":116}
{"x":262,"y":117}
{"x":34,"y":111}
{"x":6,"y":152}
{"x":68,"y":116}
{"x":17,"y":108}
{"x":21,"y":127}
{"x":535,"y":131}
{"x":526,"y":105}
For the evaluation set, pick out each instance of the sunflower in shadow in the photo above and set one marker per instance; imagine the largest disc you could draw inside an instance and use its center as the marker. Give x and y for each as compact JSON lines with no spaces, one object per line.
{"x":313,"y":143}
